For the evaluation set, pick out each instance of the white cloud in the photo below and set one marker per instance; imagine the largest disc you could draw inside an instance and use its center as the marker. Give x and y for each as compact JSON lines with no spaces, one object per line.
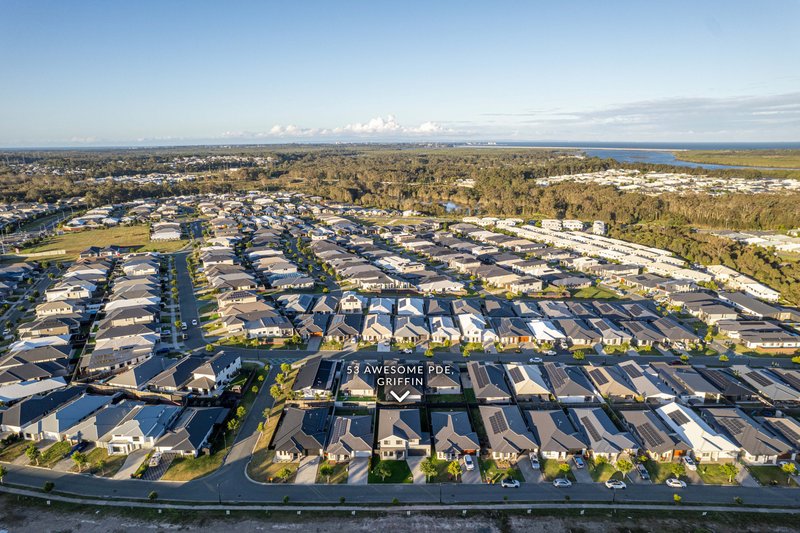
{"x":378,"y":127}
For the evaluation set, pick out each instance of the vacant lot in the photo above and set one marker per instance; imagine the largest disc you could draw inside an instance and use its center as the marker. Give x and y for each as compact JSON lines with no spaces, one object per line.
{"x":135,"y":236}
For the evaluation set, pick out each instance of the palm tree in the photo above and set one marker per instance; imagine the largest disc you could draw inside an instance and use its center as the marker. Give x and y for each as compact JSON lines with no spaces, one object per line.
{"x":326,"y":470}
{"x":428,"y":467}
{"x":454,"y":469}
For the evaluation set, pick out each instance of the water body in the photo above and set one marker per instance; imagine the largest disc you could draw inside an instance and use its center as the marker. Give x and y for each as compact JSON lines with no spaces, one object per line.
{"x":654,"y":153}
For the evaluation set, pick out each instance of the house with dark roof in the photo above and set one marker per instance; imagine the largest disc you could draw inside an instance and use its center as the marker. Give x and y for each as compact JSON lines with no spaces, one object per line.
{"x":358,"y":379}
{"x":442,"y":378}
{"x":759,"y":444}
{"x":400,"y":434}
{"x":212,"y":376}
{"x":312,"y":325}
{"x":569,"y":384}
{"x":351,"y":436}
{"x":31,"y":409}
{"x":316,"y":378}
{"x":556,"y":435}
{"x":768,"y":384}
{"x":605,"y":439}
{"x":509,"y":437}
{"x":176,"y":376}
{"x":687,"y":383}
{"x":400,"y":378}
{"x":731,"y":388}
{"x":137,"y":377}
{"x":55,"y":425}
{"x":453,"y":436}
{"x":611,"y":382}
{"x":344,"y":327}
{"x":511,"y":330}
{"x":301,"y":433}
{"x":788,"y":428}
{"x":488,"y":382}
{"x":191,"y":432}
{"x":655,"y":438}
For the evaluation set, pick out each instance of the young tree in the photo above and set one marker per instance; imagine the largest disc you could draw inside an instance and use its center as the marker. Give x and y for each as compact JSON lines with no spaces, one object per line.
{"x":428,"y":467}
{"x":33,"y":453}
{"x":3,"y":473}
{"x":788,"y":468}
{"x":286,"y":368}
{"x":382,"y":470}
{"x":152,"y":496}
{"x":678,"y":469}
{"x":730,"y":470}
{"x":429,"y":352}
{"x":454,"y":469}
{"x":326,"y":470}
{"x":80,"y":459}
{"x":101,"y":466}
{"x":564,"y":469}
{"x":240,"y":411}
{"x":276,"y":392}
{"x":284,"y":473}
{"x":578,"y":355}
{"x":624,"y":466}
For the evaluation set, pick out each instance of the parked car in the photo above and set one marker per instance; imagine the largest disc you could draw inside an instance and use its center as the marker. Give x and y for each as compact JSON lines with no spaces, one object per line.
{"x":405,"y":350}
{"x":676,"y":483}
{"x":615,"y":484}
{"x":535,"y":360}
{"x":550,"y":352}
{"x":689,"y":462}
{"x":561,"y":482}
{"x":194,"y":322}
{"x":578,"y":460}
{"x":155,"y":459}
{"x":643,"y":473}
{"x":184,"y":326}
{"x":469,"y":463}
{"x":509,"y":483}
{"x":535,"y":462}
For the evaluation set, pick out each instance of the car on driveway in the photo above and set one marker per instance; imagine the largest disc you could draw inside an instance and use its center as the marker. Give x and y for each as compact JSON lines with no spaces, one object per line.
{"x":509,"y":483}
{"x":616,"y":484}
{"x":184,"y":326}
{"x":194,"y":322}
{"x":469,"y":463}
{"x":535,"y":462}
{"x":561,"y":482}
{"x":643,"y":473}
{"x":676,"y":483}
{"x":689,"y":462}
{"x":578,"y":460}
{"x":535,"y":360}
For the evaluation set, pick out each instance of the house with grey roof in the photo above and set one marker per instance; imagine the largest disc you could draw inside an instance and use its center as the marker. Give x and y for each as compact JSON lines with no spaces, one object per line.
{"x":555,"y":434}
{"x":137,"y":377}
{"x":645,"y":382}
{"x":377,"y":328}
{"x":611,"y":382}
{"x":687,"y":383}
{"x":400,"y":434}
{"x":213,"y":375}
{"x":358,"y":379}
{"x":604,"y":438}
{"x":191,"y":432}
{"x":788,"y":428}
{"x":316,"y":378}
{"x":655,"y":439}
{"x":31,"y":409}
{"x":301,"y":433}
{"x":55,"y":425}
{"x":140,"y":428}
{"x":453,"y":435}
{"x":509,"y":437}
{"x":488,"y":382}
{"x":442,"y":378}
{"x":759,"y":445}
{"x":569,"y":384}
{"x":768,"y":385}
{"x":527,"y":382}
{"x":100,"y":424}
{"x":351,"y":436}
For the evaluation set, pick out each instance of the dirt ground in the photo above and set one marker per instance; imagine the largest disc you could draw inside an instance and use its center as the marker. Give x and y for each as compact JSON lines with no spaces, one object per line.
{"x":34,"y":517}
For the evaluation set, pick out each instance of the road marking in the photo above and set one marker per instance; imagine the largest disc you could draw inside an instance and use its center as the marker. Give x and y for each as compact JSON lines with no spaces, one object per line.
{"x":400,"y":398}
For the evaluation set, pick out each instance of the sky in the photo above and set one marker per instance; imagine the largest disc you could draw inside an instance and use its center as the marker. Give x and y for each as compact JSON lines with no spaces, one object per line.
{"x":85,"y":73}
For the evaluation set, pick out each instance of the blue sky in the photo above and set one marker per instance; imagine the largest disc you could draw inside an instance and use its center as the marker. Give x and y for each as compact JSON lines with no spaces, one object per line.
{"x":169,"y":72}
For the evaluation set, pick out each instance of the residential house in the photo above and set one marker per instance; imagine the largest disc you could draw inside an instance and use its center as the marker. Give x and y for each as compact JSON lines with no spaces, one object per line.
{"x":488,"y":382}
{"x":351,"y":436}
{"x":301,"y":433}
{"x":556,"y":435}
{"x":509,"y":437}
{"x":400,"y":434}
{"x":453,"y":436}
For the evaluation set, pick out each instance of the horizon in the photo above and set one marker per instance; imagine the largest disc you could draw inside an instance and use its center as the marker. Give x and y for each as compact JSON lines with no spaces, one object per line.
{"x":172,"y":75}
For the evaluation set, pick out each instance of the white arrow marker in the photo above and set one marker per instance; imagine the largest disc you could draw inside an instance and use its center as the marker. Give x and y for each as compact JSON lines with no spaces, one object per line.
{"x":400,"y":398}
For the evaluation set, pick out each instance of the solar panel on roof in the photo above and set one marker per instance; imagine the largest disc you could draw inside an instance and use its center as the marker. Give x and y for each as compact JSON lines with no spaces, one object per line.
{"x":632,"y":371}
{"x":650,"y":434}
{"x":481,"y":376}
{"x":498,"y":423}
{"x":598,"y":376}
{"x":590,"y":428}
{"x":679,"y":418}
{"x":784,"y":427}
{"x":733,"y":425}
{"x":759,"y":378}
{"x":557,"y":378}
{"x":516,"y":375}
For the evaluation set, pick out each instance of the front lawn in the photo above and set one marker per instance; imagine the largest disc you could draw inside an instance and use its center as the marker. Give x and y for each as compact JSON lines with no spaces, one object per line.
{"x":771,"y":475}
{"x":661,"y":471}
{"x":100,"y":463}
{"x":602,"y":472}
{"x":596,"y":293}
{"x":551,"y":469}
{"x":712,"y":474}
{"x":339,"y":474}
{"x":442,"y":475}
{"x":188,"y":468}
{"x":496,"y":471}
{"x":54,"y":454}
{"x":13,"y":450}
{"x":400,"y":472}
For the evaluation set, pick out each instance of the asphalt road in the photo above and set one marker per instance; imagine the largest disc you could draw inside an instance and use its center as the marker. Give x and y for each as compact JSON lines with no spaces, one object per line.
{"x":188,"y":304}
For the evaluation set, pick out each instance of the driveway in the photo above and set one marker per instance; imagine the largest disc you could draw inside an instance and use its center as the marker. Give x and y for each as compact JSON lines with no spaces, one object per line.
{"x":132,"y":462}
{"x":358,"y":473}
{"x":314,"y":343}
{"x":307,"y":471}
{"x":530,"y":475}
{"x":582,"y":475}
{"x":471,"y":476}
{"x":414,"y":463}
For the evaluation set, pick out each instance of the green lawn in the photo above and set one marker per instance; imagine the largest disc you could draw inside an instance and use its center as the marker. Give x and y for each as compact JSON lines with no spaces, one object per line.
{"x":13,"y":450}
{"x":112,"y":463}
{"x":771,"y":475}
{"x":494,"y":471}
{"x":401,"y":473}
{"x":442,"y":475}
{"x":268,"y":468}
{"x":712,"y":474}
{"x":188,"y":468}
{"x":595,"y":293}
{"x":550,"y":469}
{"x":133,"y":236}
{"x":746,"y":158}
{"x":469,"y":394}
{"x":602,"y":472}
{"x":661,"y":471}
{"x":54,"y":454}
{"x":338,"y":476}
{"x":446,"y":398}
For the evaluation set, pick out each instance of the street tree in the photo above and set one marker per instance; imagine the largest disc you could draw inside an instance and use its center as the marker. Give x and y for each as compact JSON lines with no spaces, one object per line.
{"x":80,"y":459}
{"x":382,"y":470}
{"x":326,"y":470}
{"x":454,"y":469}
{"x":428,"y":467}
{"x":730,"y":470}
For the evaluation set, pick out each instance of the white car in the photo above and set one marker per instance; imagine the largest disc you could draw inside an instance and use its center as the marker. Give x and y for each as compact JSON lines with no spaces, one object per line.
{"x":509,"y":483}
{"x":535,"y":462}
{"x":184,"y":326}
{"x":535,"y":360}
{"x":405,"y":350}
{"x":194,"y":322}
{"x":689,"y":462}
{"x":469,"y":463}
{"x":616,"y":484}
{"x":550,"y":352}
{"x":676,"y":483}
{"x":562,"y":482}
